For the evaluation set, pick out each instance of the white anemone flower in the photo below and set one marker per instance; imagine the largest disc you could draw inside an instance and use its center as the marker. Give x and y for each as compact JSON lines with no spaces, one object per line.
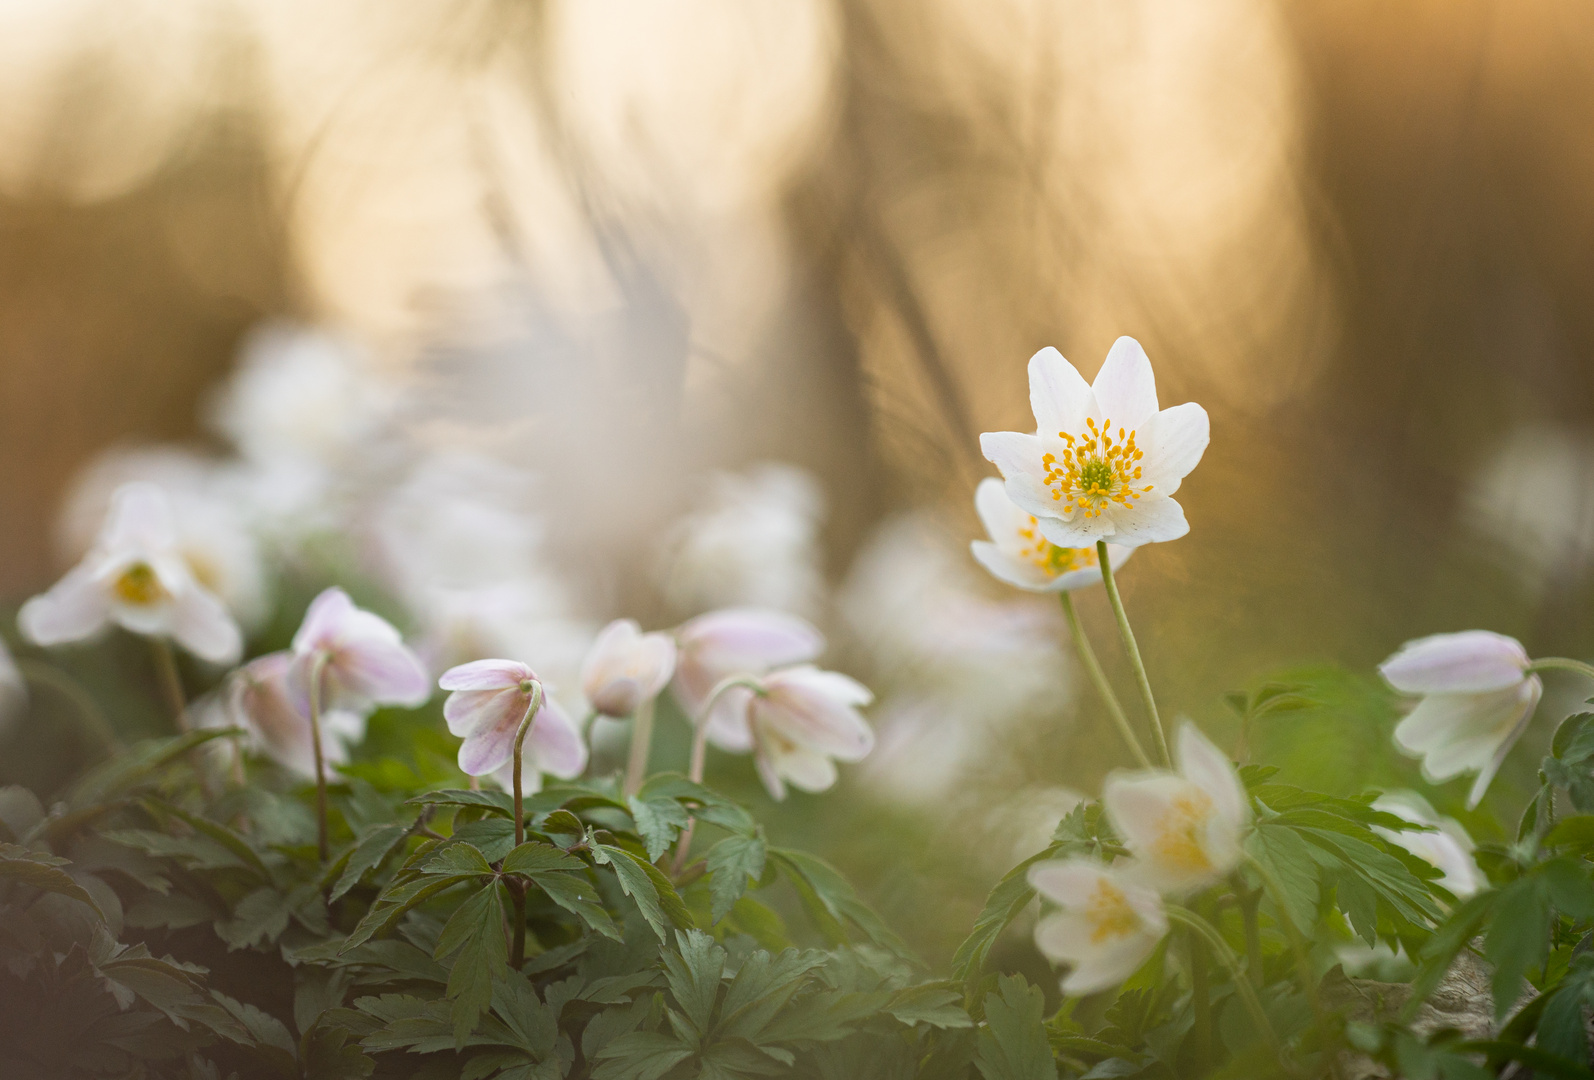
{"x":488,"y":700}
{"x":798,"y":722}
{"x":1105,"y":460}
{"x":259,"y":700}
{"x":1477,"y":699}
{"x":626,"y":667}
{"x":1107,"y":927}
{"x":736,"y":641}
{"x":135,"y":576}
{"x":1185,"y":829}
{"x":1449,"y":848}
{"x":1018,"y":554}
{"x":13,"y":690}
{"x":362,"y":658}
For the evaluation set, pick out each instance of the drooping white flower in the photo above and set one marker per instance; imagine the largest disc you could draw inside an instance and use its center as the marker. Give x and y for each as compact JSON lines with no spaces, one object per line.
{"x":1184,"y":828}
{"x":736,"y":641}
{"x":1020,"y":555}
{"x":1477,"y":699}
{"x":488,"y":700}
{"x":798,"y":723}
{"x":260,"y":701}
{"x":1105,"y":460}
{"x":136,"y":577}
{"x":1449,"y":849}
{"x":362,"y":658}
{"x":1107,"y":927}
{"x":626,"y":667}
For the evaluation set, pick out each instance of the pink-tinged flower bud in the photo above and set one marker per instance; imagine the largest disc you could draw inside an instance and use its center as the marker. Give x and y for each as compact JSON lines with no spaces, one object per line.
{"x":798,"y":724}
{"x":136,"y":577}
{"x":736,"y":641}
{"x":1107,"y":925}
{"x":487,"y":703}
{"x":626,"y":667}
{"x":1477,"y":698}
{"x":363,"y":660}
{"x":259,"y":701}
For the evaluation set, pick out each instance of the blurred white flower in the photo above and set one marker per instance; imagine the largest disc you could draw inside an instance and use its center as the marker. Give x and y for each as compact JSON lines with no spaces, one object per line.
{"x":1535,"y":499}
{"x":487,"y":702}
{"x":259,"y":701}
{"x":1449,"y":849}
{"x":1107,"y":927}
{"x":755,"y":543}
{"x":136,"y":577}
{"x":1019,"y":555}
{"x":1184,"y":829}
{"x":1105,"y":459}
{"x":799,"y":722}
{"x":211,"y":519}
{"x":361,"y":658}
{"x":736,"y":641}
{"x":626,"y":667}
{"x":1477,"y":699}
{"x":13,"y":690}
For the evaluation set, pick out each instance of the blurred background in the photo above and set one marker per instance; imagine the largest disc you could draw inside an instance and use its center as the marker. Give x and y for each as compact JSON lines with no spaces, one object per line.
{"x":518,"y":315}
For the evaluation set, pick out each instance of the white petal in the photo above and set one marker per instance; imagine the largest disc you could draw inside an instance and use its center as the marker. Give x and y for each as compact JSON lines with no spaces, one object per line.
{"x":1470,"y":661}
{"x":729,"y":727}
{"x":1075,"y":531}
{"x":490,"y":745}
{"x":382,"y":671}
{"x":770,"y":776}
{"x":1014,"y":453}
{"x":805,"y":770}
{"x":1002,"y":518}
{"x":1209,"y":768}
{"x":1153,"y":520}
{"x":1534,"y":689}
{"x":1441,"y":722}
{"x":323,"y":619}
{"x":468,"y":711}
{"x":1022,"y":575}
{"x":486,"y":675}
{"x":76,"y":607}
{"x":560,"y":749}
{"x":1173,"y":442}
{"x":1058,"y":395}
{"x":1125,"y":389}
{"x":140,"y":519}
{"x":201,"y":624}
{"x":1069,"y":882}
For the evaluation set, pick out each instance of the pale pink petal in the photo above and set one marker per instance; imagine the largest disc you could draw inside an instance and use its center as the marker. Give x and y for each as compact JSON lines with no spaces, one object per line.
{"x":815,"y":721}
{"x":560,"y":749}
{"x":1441,"y":723}
{"x":729,"y":726}
{"x":1466,"y":662}
{"x":140,"y":519}
{"x":490,"y":745}
{"x":805,"y":770}
{"x":383,"y":672}
{"x":1533,"y":689}
{"x":327,"y":612}
{"x":770,"y":776}
{"x":74,"y":608}
{"x":486,"y":675}
{"x":751,"y":638}
{"x":1125,"y":389}
{"x":201,"y":624}
{"x":1173,"y":442}
{"x":1058,"y":395}
{"x":468,"y":711}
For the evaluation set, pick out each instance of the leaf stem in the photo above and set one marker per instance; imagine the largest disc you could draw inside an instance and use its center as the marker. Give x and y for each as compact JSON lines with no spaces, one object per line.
{"x":171,"y":681}
{"x":1561,"y":663}
{"x":636,"y":768}
{"x":318,"y":665}
{"x":1098,"y":678}
{"x":517,"y":890}
{"x":1133,"y":650}
{"x":1226,"y":957}
{"x":699,"y":759}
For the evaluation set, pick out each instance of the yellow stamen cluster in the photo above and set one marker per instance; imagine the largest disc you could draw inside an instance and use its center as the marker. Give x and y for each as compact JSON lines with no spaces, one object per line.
{"x":1095,"y":469}
{"x":139,"y":585}
{"x":1055,"y":561}
{"x":1180,"y":832}
{"x":1108,"y":913}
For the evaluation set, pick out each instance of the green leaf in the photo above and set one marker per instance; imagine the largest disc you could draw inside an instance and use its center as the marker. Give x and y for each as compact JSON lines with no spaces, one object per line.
{"x":1561,"y":1029}
{"x":534,"y":1025}
{"x":43,"y":872}
{"x":1011,"y":895}
{"x":391,"y":906}
{"x":1013,"y":1043}
{"x":327,"y":1054}
{"x":1289,"y":859}
{"x":938,"y":1006}
{"x":828,"y":897}
{"x":1569,"y":888}
{"x":733,"y":863}
{"x":476,"y":930}
{"x":535,"y":857}
{"x":658,"y":821}
{"x":259,"y":917}
{"x":132,"y":766}
{"x":456,"y":858}
{"x":374,"y":846}
{"x":1517,"y":938}
{"x":644,"y":883}
{"x":640,"y":1055}
{"x":694,"y":976}
{"x":1575,"y":832}
{"x":493,"y":837}
{"x":197,"y":852}
{"x":577,"y":896}
{"x":218,"y":832}
{"x":498,"y":801}
{"x":1440,"y":952}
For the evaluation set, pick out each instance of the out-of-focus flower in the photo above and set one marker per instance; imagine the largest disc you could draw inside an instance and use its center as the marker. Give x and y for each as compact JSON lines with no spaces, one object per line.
{"x":1108,"y":925}
{"x":1533,"y":501}
{"x":1477,"y":698}
{"x":488,"y":699}
{"x":210,"y":516}
{"x":1018,"y":554}
{"x":626,"y":667}
{"x":258,"y":700}
{"x":754,"y":544}
{"x":1183,"y":828}
{"x":362,"y":658}
{"x":736,"y":641}
{"x":1105,"y":460}
{"x":1449,"y":848}
{"x":135,"y":577}
{"x":13,"y":689}
{"x":799,"y":722}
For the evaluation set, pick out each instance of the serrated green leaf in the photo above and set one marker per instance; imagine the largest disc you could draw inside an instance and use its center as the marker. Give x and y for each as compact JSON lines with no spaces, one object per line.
{"x":694,"y":976}
{"x":640,"y":1055}
{"x":658,"y":821}
{"x":456,"y":858}
{"x":391,"y":906}
{"x":1288,"y":858}
{"x":937,"y":1006}
{"x":132,"y":766}
{"x":374,"y":846}
{"x":260,"y":917}
{"x":1013,"y":1043}
{"x":535,"y":857}
{"x":1010,"y":896}
{"x":733,"y":864}
{"x":1517,"y":938}
{"x":500,"y":802}
{"x":493,"y":837}
{"x":43,"y":872}
{"x":577,"y":896}
{"x":644,"y":883}
{"x":476,"y":930}
{"x":827,"y":894}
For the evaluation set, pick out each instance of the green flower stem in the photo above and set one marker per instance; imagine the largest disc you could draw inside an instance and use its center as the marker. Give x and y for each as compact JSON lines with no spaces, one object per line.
{"x":1250,"y":900}
{"x":1098,"y":678}
{"x":699,"y":759}
{"x":1242,"y":986}
{"x":1133,"y":650}
{"x":1561,"y":663}
{"x":317,"y":666}
{"x":171,"y":681}
{"x":517,"y":889}
{"x":636,"y":768}
{"x":90,"y":717}
{"x":1200,"y":1005}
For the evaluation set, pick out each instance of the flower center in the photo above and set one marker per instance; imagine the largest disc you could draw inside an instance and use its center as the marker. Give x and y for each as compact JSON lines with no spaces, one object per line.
{"x":1055,"y":561}
{"x":1178,"y":840}
{"x":139,"y":585}
{"x":1095,"y":469}
{"x":1109,"y":913}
